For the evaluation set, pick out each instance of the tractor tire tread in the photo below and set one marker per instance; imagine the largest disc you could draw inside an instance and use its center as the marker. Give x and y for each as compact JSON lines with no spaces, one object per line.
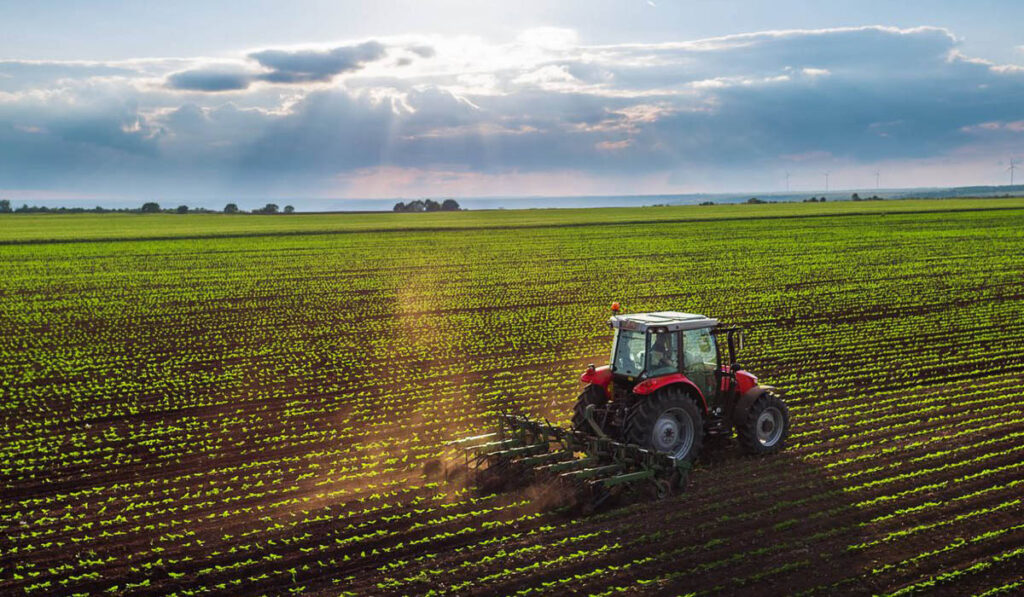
{"x":641,"y":420}
{"x":591,"y":394}
{"x":746,"y":431}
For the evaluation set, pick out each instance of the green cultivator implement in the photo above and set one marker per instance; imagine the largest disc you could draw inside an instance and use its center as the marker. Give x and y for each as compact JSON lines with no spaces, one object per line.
{"x":592,"y":467}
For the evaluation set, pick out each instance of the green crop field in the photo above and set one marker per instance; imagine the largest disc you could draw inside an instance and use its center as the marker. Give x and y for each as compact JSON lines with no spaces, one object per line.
{"x":209,"y":404}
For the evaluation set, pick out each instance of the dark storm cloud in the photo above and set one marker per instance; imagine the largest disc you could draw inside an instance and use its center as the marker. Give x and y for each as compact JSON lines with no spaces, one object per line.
{"x":300,"y":66}
{"x":325,"y":129}
{"x":908,"y":104}
{"x":88,"y":142}
{"x":208,"y":80}
{"x":423,"y":51}
{"x":285,"y":67}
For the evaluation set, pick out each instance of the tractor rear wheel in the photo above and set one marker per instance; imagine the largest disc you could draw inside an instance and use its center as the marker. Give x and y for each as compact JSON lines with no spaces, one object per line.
{"x":668,"y":421}
{"x":764,"y":428}
{"x":591,"y":395}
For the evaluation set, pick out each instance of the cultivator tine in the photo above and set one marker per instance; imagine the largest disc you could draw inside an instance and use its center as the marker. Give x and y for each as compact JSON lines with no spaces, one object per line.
{"x":498,"y":445}
{"x":536,"y":461}
{"x":593,"y":473}
{"x":470,"y":440}
{"x":568,"y":465}
{"x":505,"y":444}
{"x":510,"y":453}
{"x":639,"y":475}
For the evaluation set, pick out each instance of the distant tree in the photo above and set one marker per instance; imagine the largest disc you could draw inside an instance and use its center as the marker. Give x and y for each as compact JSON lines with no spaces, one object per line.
{"x":707,"y":203}
{"x":230,"y":208}
{"x":5,"y":206}
{"x":449,"y":205}
{"x":150,"y":207}
{"x":182,"y":209}
{"x":416,"y":206}
{"x":855,"y":197}
{"x":288,"y":209}
{"x":399,"y":207}
{"x":822,"y":200}
{"x":431,"y":205}
{"x":270,"y":208}
{"x":754,"y":201}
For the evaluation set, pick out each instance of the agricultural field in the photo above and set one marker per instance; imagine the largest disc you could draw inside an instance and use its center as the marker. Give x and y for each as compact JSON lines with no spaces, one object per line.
{"x":202,"y":404}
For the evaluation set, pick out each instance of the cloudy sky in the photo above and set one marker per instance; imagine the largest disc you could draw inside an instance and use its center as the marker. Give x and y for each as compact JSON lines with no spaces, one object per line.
{"x":108,"y":101}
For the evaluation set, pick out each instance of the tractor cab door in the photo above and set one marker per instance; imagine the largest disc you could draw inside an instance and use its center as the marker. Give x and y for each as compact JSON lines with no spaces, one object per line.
{"x":700,"y":361}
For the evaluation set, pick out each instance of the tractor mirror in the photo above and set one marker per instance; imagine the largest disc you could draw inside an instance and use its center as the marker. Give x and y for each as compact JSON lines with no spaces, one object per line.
{"x":739,"y":340}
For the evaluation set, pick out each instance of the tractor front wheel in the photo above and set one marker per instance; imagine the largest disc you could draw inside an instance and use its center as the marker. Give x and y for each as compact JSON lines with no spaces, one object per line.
{"x":764,"y":428}
{"x":667,"y":421}
{"x":591,"y":396}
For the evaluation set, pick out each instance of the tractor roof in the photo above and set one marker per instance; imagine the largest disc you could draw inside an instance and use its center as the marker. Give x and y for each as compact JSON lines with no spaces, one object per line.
{"x":661,"y":321}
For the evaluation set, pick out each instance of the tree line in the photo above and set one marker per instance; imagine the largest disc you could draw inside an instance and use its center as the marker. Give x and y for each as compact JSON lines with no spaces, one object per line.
{"x":420,"y":205}
{"x":153,"y":207}
{"x":150,"y":207}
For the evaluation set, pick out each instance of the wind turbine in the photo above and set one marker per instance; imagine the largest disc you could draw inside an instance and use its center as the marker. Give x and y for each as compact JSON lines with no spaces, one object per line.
{"x":877,"y":174}
{"x":826,"y":181}
{"x":787,"y":181}
{"x":1013,"y":166}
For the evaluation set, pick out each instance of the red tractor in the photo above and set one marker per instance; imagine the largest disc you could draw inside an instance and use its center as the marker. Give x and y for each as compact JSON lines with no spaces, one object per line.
{"x":673,"y":378}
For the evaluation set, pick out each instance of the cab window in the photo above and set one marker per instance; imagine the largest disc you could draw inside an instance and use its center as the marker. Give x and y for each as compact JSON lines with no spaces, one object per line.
{"x":628,"y":353}
{"x":662,"y":354}
{"x":700,"y":359}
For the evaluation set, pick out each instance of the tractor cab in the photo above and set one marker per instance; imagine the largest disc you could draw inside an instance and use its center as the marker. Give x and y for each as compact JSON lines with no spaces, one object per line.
{"x":672,"y":347}
{"x":650,"y":345}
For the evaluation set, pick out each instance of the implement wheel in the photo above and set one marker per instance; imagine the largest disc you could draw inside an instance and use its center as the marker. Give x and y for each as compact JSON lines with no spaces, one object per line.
{"x":765,"y":426}
{"x":667,"y":421}
{"x":591,"y":395}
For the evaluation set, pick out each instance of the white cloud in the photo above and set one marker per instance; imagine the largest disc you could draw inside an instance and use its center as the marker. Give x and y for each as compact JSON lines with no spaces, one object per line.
{"x":551,"y":78}
{"x":549,"y":38}
{"x":815,"y":72}
{"x":1015,"y":126}
{"x":613,"y":145}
